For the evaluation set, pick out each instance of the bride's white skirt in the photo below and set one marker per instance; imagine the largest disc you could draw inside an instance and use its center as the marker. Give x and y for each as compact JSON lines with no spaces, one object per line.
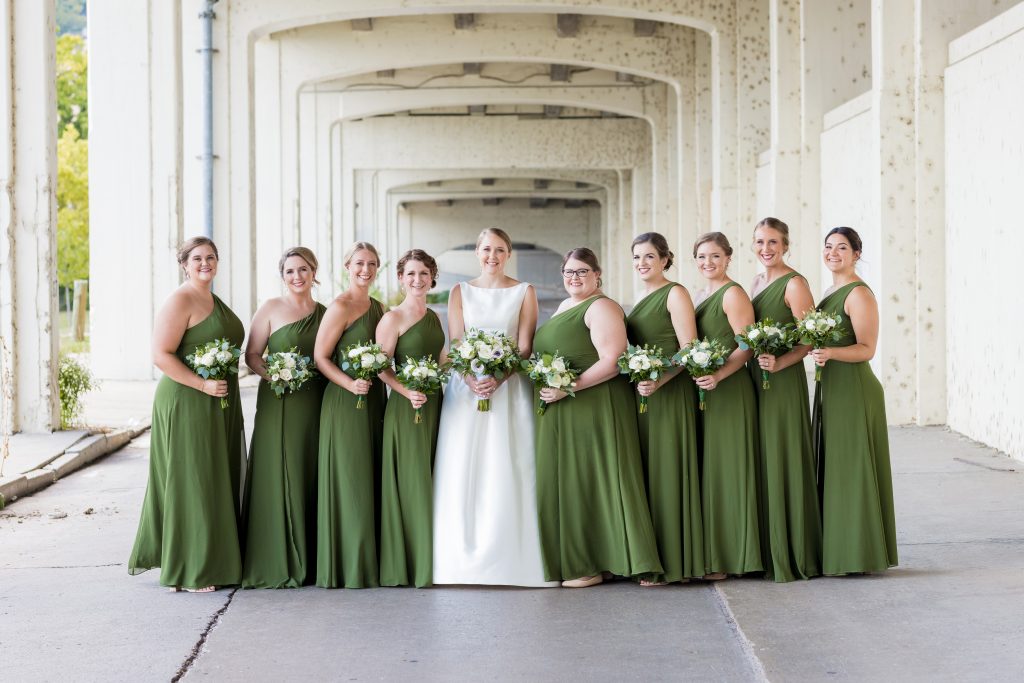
{"x":485,"y":498}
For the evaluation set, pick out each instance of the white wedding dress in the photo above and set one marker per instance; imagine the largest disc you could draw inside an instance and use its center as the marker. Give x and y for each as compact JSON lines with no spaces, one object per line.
{"x":485,"y":490}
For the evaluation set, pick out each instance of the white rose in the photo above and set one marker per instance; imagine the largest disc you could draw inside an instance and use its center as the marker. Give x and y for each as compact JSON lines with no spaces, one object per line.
{"x":380,"y":358}
{"x":466,"y":350}
{"x":354,"y":353}
{"x":635,"y":363}
{"x":558,"y":365}
{"x":483,"y":350}
{"x":558,"y":381}
{"x":275,"y":377}
{"x":223,"y":356}
{"x":289,"y":361}
{"x":286,"y":374}
{"x":809,"y":325}
{"x":209,"y":359}
{"x":366,"y":360}
{"x":754,"y":333}
{"x":701,"y":358}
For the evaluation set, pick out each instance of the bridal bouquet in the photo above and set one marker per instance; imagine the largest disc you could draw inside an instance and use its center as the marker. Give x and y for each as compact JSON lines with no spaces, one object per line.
{"x":769,"y":337}
{"x":423,"y":375}
{"x":550,"y":370}
{"x":818,"y":328}
{"x":700,"y":358}
{"x":288,"y":371}
{"x":643,"y":363}
{"x":364,"y":360}
{"x":484,"y":354}
{"x":215,"y":360}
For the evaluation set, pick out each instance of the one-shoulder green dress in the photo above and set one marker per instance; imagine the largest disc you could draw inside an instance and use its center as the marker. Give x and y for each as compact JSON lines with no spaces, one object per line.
{"x":280,"y":525}
{"x":348,"y":503}
{"x":668,"y":444}
{"x":590,"y":489}
{"x":189,"y":521}
{"x":406,"y":523}
{"x":732,"y":543}
{"x":858,"y":520}
{"x":789,"y":491}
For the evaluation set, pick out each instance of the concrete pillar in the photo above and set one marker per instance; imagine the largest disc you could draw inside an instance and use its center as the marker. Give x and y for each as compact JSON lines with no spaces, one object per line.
{"x":28,"y":216}
{"x":703,"y":134}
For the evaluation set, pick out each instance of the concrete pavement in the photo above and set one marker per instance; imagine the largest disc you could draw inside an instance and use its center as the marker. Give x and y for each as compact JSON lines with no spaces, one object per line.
{"x":951,"y":611}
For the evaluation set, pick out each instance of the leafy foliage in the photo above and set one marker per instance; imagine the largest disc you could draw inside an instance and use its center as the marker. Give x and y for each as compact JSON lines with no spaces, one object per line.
{"x":74,"y":379}
{"x":72,"y":207}
{"x":72,"y":84}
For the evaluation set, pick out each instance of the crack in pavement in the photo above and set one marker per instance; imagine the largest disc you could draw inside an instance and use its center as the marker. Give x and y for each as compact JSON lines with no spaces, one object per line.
{"x":987,"y":467}
{"x":746,"y":646}
{"x":198,"y":647}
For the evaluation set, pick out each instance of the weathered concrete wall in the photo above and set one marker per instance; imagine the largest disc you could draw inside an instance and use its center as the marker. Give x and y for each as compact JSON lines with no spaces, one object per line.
{"x":984,"y":205}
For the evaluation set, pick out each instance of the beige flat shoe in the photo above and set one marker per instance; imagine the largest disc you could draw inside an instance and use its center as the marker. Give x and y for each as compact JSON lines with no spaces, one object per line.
{"x":583,"y":582}
{"x":716,"y":576}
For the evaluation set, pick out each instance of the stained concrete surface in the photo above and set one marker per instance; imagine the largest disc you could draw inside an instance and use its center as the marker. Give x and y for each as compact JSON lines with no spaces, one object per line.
{"x":950,"y":611}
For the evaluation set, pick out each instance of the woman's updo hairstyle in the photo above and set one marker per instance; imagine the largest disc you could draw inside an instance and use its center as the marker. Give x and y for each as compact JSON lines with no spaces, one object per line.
{"x":304,"y":253}
{"x":659,"y":243}
{"x":851,"y":236}
{"x":497,"y":232}
{"x":424,"y":258}
{"x":718,"y":238}
{"x":775,"y":224}
{"x":586,"y":255}
{"x":360,"y":246}
{"x":191,"y":243}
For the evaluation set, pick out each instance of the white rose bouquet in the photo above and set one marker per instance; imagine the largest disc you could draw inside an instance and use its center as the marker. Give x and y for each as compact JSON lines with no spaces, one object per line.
{"x":423,"y":375}
{"x":484,"y":354}
{"x":288,"y":371}
{"x":818,"y":328}
{"x":767,"y":336}
{"x":643,"y":363}
{"x":700,"y":358}
{"x":550,"y":370}
{"x":215,"y":360}
{"x":364,"y":360}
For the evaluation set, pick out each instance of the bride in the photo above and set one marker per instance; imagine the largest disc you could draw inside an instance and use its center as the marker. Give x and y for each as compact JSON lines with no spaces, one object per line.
{"x":485,"y":506}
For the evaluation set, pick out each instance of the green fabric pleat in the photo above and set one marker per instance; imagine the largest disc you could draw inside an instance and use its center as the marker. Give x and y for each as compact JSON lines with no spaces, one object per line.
{"x":348,"y":501}
{"x":280,"y":527}
{"x":189,"y":523}
{"x":858,"y":519}
{"x":732,"y":526}
{"x":406,"y":532}
{"x":590,"y":489}
{"x":792,"y":535}
{"x":668,"y":445}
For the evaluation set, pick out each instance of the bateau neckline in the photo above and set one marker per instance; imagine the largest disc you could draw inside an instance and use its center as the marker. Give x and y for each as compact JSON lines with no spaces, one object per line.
{"x":495,"y":289}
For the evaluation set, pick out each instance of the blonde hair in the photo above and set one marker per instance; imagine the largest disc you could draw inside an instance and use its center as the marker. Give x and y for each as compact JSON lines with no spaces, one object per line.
{"x":775,"y":224}
{"x":497,"y":232}
{"x":718,"y":238}
{"x":303,"y":253}
{"x":360,"y":246}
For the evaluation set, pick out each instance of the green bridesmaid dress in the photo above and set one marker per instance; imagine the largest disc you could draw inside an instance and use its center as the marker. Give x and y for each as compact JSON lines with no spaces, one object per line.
{"x":789,"y":493}
{"x":406,"y":533}
{"x":348,"y":501}
{"x":668,"y":444}
{"x":189,"y":521}
{"x":590,"y":489}
{"x":280,"y":525}
{"x":858,"y":520}
{"x":732,"y":543}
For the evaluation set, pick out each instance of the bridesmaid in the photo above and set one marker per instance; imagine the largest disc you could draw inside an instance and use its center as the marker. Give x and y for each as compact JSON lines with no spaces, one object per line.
{"x":189,"y":521}
{"x":859,"y":523}
{"x":348,"y":500}
{"x":590,"y":490}
{"x":668,"y":431}
{"x":280,"y":505}
{"x":410,"y":330}
{"x":792,"y":534}
{"x":730,"y":449}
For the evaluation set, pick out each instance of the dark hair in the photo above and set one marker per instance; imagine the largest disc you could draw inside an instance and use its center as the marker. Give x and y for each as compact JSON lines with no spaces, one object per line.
{"x":775,"y":224}
{"x":304,"y":253}
{"x":851,"y":236}
{"x":424,"y":258}
{"x":191,"y":243}
{"x":586,"y":255}
{"x":718,"y":238}
{"x":659,"y":243}
{"x":497,"y":232}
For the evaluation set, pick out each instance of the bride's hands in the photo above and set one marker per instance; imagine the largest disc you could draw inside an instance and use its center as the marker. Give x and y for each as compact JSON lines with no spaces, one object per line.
{"x":484,"y":387}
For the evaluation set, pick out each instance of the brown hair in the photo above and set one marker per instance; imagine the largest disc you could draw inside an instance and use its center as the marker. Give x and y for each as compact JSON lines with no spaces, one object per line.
{"x":850,"y":234}
{"x":191,"y":243}
{"x":586,"y":255}
{"x":718,"y":238}
{"x":775,"y":224}
{"x":424,"y":258}
{"x":360,"y":246}
{"x":303,"y":253}
{"x":659,"y":243}
{"x":497,"y":232}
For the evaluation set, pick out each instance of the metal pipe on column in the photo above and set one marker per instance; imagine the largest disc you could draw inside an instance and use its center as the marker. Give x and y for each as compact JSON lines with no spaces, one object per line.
{"x":206,"y":50}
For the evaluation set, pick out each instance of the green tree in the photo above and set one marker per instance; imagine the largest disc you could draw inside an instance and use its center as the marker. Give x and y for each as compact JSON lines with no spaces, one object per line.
{"x":72,"y":207}
{"x":72,"y":84}
{"x":70,"y":16}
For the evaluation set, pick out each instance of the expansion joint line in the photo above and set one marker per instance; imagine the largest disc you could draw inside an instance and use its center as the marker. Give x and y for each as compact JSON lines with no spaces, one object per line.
{"x":747,"y":647}
{"x":198,"y":647}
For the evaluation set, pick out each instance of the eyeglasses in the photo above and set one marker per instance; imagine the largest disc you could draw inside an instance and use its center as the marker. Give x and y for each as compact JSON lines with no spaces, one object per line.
{"x":581,"y":273}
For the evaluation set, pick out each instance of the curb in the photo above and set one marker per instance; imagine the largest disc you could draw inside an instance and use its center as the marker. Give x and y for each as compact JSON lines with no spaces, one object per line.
{"x":84,"y":451}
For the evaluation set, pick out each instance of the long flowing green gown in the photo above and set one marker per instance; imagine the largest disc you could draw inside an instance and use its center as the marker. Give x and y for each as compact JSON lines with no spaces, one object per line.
{"x":859,"y":523}
{"x":348,"y":517}
{"x":789,"y":491}
{"x":732,"y":522}
{"x":280,"y":525}
{"x":590,"y":489}
{"x":189,"y":522}
{"x":668,"y":445}
{"x":406,"y":524}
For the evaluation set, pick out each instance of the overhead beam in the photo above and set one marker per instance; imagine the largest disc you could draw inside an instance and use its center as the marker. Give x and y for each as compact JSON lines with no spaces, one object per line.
{"x":433,"y":183}
{"x":538,"y":202}
{"x":487,"y":181}
{"x":472,"y":68}
{"x":464,"y":21}
{"x":623,"y":77}
{"x":362,"y":24}
{"x":541,"y":183}
{"x":560,"y":73}
{"x":574,"y":203}
{"x":443,"y":202}
{"x":478,"y":109}
{"x":552,"y":111}
{"x":491,"y":201}
{"x":568,"y":25}
{"x":644,"y":28}
{"x":386,"y":73}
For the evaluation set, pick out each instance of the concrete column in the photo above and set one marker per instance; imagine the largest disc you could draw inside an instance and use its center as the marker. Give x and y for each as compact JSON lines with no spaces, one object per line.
{"x":28,"y":215}
{"x":703,"y":133}
{"x":272,"y":197}
{"x":892,"y":27}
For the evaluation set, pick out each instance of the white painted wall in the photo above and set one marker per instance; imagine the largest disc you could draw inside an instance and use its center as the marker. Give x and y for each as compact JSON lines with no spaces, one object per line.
{"x":984,"y":206}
